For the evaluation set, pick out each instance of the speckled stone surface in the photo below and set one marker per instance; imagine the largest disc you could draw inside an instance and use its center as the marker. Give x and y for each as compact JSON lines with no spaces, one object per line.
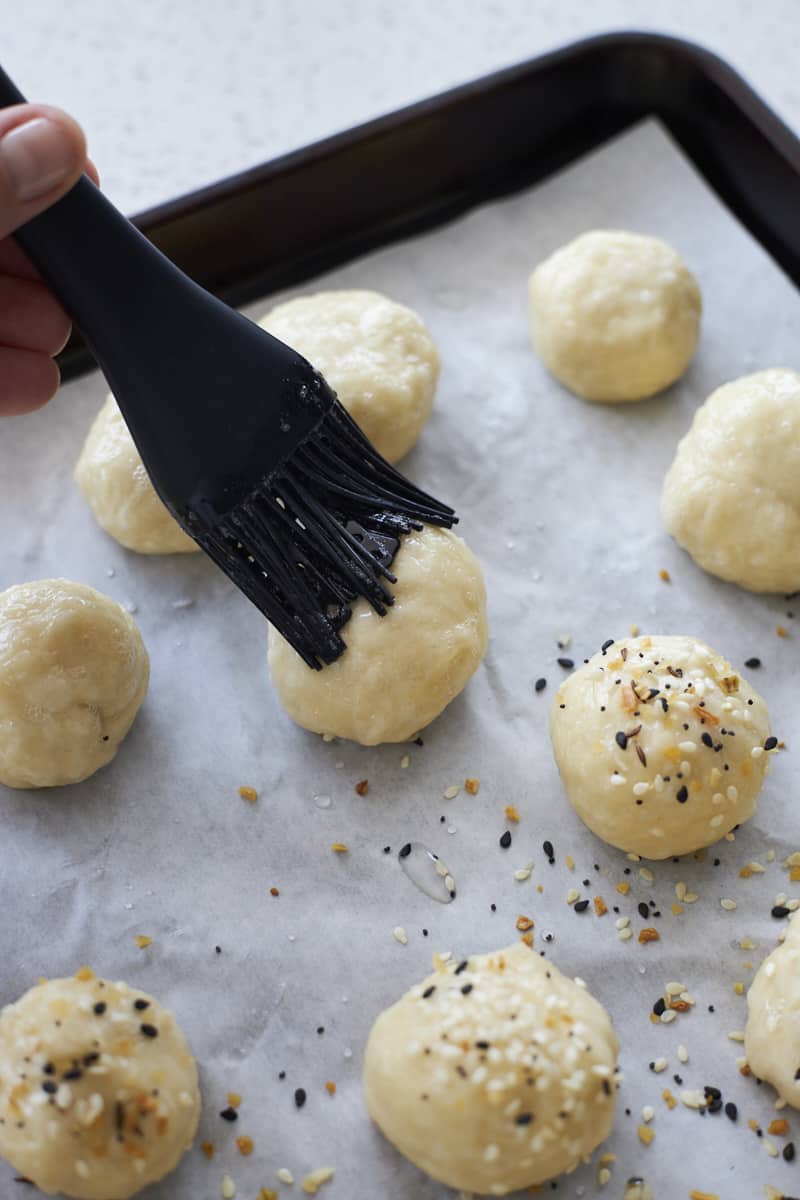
{"x":176,"y":95}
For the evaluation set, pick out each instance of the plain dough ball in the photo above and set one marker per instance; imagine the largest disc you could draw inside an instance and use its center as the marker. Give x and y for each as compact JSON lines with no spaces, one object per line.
{"x":401,"y":670}
{"x":494,"y":1074}
{"x":615,"y":316}
{"x":117,"y":488}
{"x":660,"y":745}
{"x":732,"y":495}
{"x":98,"y":1088}
{"x":376,"y":354}
{"x":772,"y":1034}
{"x":73,"y":674}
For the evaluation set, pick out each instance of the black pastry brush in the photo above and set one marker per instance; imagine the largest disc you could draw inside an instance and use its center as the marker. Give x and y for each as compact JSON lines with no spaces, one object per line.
{"x":244,"y":441}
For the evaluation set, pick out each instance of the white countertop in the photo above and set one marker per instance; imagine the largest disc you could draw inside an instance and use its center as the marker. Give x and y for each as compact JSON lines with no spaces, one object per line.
{"x":177,"y":95}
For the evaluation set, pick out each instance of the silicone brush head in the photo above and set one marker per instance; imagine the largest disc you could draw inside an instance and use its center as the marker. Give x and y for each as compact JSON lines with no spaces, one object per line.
{"x":319,"y":530}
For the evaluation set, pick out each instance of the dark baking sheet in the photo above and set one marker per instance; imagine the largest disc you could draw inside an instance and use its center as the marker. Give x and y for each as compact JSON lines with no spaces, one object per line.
{"x":275,"y":225}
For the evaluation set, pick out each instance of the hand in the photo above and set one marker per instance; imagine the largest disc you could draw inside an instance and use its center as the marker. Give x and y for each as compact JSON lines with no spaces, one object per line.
{"x":42,"y":154}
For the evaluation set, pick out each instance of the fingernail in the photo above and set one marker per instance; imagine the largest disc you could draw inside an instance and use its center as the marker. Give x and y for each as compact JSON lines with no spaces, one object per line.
{"x":36,"y":156}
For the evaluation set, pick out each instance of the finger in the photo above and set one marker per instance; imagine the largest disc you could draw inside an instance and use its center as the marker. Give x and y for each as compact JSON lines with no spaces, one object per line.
{"x":27,"y":381}
{"x":30,"y":316}
{"x":42,"y":154}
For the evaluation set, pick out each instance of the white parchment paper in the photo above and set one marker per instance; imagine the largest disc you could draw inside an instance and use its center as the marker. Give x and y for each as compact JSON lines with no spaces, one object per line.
{"x":559,"y":499}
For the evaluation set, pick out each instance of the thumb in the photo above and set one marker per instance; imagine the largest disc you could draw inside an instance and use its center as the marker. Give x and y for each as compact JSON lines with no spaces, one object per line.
{"x":42,"y":154}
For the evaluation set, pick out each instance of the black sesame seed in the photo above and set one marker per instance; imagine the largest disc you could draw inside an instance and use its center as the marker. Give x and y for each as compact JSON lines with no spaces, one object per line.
{"x":505,"y":840}
{"x":788,"y":1152}
{"x":49,"y":1087}
{"x":320,"y":1029}
{"x":218,"y":949}
{"x":281,"y":1074}
{"x":566,"y":663}
{"x":300,"y":1097}
{"x":405,"y":850}
{"x":581,"y":906}
{"x":229,"y":1114}
{"x":780,"y":910}
{"x":621,"y":739}
{"x":682,"y":795}
{"x":100,"y":1007}
{"x":660,"y":1006}
{"x":731,"y":1111}
{"x":425,"y":932}
{"x":713,"y":1092}
{"x":644,"y":910}
{"x":753,"y":663}
{"x":387,"y":849}
{"x":429,"y":991}
{"x":523,"y":1118}
{"x":482,"y":1045}
{"x":466,"y":989}
{"x":770,"y":743}
{"x":540,"y":685}
{"x":493,"y":907}
{"x":49,"y":1069}
{"x":707,"y":740}
{"x":88,"y":1059}
{"x":73,"y":1073}
{"x":547,"y":846}
{"x":462,"y":966}
{"x":149,"y":1030}
{"x":141,"y":1005}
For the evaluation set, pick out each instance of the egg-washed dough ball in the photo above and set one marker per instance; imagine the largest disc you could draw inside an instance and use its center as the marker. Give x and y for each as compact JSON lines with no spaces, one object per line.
{"x":98,"y":1088}
{"x":73,"y":674}
{"x":401,"y":670}
{"x":376,"y":354}
{"x":493,"y":1074}
{"x":661,"y":744}
{"x":772,"y":1033}
{"x":614,"y":316}
{"x":732,"y":495}
{"x":117,"y":488}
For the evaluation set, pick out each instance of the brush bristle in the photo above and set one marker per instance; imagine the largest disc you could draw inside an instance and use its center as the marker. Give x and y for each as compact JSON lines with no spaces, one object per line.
{"x":320,"y":531}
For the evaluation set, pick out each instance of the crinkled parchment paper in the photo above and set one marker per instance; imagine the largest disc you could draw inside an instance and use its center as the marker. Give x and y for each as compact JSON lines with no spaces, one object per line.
{"x":559,"y":499}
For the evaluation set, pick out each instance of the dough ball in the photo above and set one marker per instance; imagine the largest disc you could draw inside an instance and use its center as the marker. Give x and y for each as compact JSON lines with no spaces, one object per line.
{"x":115,"y":485}
{"x":615,"y":316}
{"x":494,"y":1074}
{"x":376,"y":354}
{"x":399,"y":671}
{"x":772,"y":1033}
{"x":661,"y":745}
{"x":732,"y":495}
{"x":73,"y":675}
{"x":98,"y":1088}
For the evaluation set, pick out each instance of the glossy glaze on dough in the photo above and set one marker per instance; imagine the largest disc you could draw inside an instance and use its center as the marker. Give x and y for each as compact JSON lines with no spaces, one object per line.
{"x":664,"y":791}
{"x":732,"y":495}
{"x":73,"y":674}
{"x":98,"y":1089}
{"x":495,"y":1075}
{"x":772,"y":1033}
{"x":614,"y":316}
{"x":117,"y":488}
{"x":376,"y":354}
{"x":399,"y":671}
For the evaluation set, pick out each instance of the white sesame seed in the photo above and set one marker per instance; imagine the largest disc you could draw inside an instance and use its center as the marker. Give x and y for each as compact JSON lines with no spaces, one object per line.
{"x":675,"y":988}
{"x":727,"y":904}
{"x":757,"y":752}
{"x":770,"y":856}
{"x":756,"y":868}
{"x":581,"y":983}
{"x":781,"y":898}
{"x":716,"y":821}
{"x":523,"y":873}
{"x":687,"y":747}
{"x":646,"y":874}
{"x":228,"y":1188}
{"x":603,"y":1176}
{"x":683,"y":1054}
{"x":631,"y":857}
{"x":660,"y":1065}
{"x":690,"y":897}
{"x":641,"y":789}
{"x":572,"y":895}
{"x":451,"y":792}
{"x":616,"y":779}
{"x":732,"y":793}
{"x":693,"y":1099}
{"x":285,"y":1175}
{"x":771,"y":1149}
{"x":400,"y":935}
{"x":625,"y":935}
{"x":622,"y":922}
{"x":491,"y":1153}
{"x":792,"y":904}
{"x":315,"y":1179}
{"x":648,"y":1112}
{"x":404,"y":762}
{"x":668,"y":1016}
{"x":736,"y":1035}
{"x":658,"y":783}
{"x":82,"y":1168}
{"x":680,"y":890}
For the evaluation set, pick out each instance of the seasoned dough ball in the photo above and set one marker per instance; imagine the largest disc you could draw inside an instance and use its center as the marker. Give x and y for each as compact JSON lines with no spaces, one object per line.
{"x":376,"y":354}
{"x":732,"y":495}
{"x":115,"y":485}
{"x":772,"y":1033}
{"x":399,"y":671}
{"x":98,"y":1088}
{"x":495,"y":1074}
{"x":661,"y":745}
{"x":615,"y":316}
{"x":73,"y":675}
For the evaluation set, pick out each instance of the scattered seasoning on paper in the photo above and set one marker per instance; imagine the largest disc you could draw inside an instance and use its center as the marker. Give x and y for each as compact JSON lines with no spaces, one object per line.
{"x":248,"y":793}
